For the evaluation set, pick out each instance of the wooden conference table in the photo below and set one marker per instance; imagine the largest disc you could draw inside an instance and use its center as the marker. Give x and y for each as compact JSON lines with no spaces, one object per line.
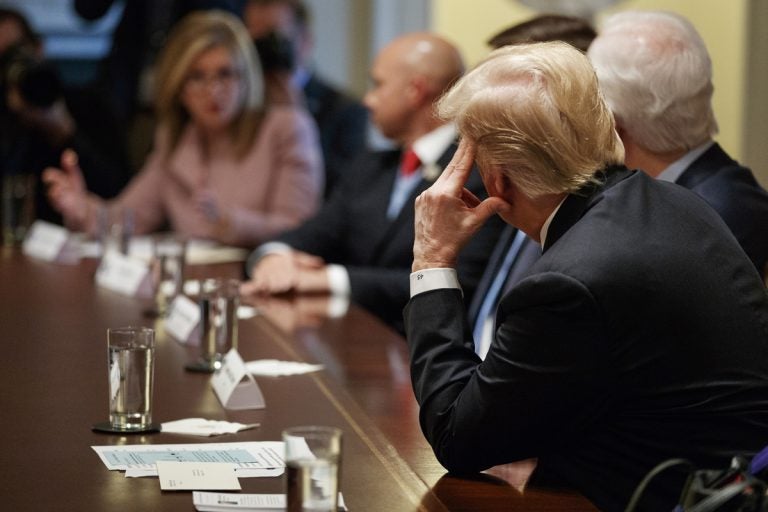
{"x":53,"y":381}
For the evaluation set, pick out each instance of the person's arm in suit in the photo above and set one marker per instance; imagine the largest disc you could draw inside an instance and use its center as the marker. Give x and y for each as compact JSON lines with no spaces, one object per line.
{"x":535,"y":387}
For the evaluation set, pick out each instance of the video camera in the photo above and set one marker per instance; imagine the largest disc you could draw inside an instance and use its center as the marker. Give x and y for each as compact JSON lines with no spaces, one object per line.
{"x":36,"y":80}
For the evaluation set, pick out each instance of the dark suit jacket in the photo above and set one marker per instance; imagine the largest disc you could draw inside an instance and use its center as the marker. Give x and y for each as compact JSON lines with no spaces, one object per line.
{"x":352,"y":229}
{"x":342,"y":123}
{"x":733,"y":192}
{"x":632,"y":340}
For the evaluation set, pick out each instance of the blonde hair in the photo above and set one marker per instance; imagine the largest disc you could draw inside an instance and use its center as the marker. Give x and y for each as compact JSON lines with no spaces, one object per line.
{"x":192,"y":36}
{"x":536,"y":114}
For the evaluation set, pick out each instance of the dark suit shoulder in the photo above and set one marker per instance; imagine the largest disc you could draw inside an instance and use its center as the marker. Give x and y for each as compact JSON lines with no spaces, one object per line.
{"x":733,"y":192}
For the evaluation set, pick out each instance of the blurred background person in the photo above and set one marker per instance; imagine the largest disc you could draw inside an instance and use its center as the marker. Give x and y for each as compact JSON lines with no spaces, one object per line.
{"x":225,"y":166}
{"x":578,"y":32}
{"x":359,"y":246}
{"x":282,"y":33}
{"x":40,"y":116}
{"x":125,"y":77}
{"x":656,"y":74}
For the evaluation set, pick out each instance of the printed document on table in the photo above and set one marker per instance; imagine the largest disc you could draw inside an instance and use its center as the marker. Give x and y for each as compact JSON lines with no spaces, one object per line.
{"x":224,"y":502}
{"x":246,"y":455}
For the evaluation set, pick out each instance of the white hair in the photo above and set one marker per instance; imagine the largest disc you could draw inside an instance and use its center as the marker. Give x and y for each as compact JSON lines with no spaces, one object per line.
{"x":656,"y":75}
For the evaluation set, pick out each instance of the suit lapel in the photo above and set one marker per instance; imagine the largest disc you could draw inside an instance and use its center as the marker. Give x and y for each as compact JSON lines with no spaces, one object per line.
{"x":576,"y":204}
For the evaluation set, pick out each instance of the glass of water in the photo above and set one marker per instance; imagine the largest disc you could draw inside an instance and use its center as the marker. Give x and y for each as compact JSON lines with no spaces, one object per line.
{"x":219,"y":299}
{"x":168,"y":268}
{"x":313,"y":467}
{"x":130,"y":363}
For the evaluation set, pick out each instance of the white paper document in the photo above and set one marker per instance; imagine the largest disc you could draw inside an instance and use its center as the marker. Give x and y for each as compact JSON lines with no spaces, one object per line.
{"x":201,"y":252}
{"x":247,"y":455}
{"x":190,"y":476}
{"x":239,"y":472}
{"x":224,"y":502}
{"x":204,"y":427}
{"x":276,"y":368}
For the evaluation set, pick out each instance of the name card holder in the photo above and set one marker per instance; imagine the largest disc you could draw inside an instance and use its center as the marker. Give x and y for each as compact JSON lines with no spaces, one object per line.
{"x":125,"y":275}
{"x":231,"y":392}
{"x":183,"y":319}
{"x":49,"y":242}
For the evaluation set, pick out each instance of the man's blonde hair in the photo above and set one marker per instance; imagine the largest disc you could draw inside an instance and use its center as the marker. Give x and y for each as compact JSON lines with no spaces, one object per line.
{"x":196,"y":33}
{"x":536,"y":114}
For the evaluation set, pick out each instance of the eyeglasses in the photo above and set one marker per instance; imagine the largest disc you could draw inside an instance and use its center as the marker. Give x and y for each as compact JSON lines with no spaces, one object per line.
{"x":224,"y":77}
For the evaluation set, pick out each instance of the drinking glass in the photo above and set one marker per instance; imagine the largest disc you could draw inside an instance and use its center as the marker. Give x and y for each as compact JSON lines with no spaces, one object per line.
{"x":219,"y":299}
{"x":131,"y":363}
{"x":313,"y":462}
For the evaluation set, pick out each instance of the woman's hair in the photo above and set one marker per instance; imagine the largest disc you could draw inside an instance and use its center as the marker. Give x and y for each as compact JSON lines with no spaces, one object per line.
{"x":192,"y":36}
{"x":536,"y":114}
{"x":655,"y":72}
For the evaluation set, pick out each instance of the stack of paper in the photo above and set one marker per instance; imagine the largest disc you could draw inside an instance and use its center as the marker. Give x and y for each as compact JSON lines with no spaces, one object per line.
{"x":226,"y":502}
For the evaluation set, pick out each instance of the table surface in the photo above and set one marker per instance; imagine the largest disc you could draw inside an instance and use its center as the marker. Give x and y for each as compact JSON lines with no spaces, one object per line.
{"x":54,"y":387}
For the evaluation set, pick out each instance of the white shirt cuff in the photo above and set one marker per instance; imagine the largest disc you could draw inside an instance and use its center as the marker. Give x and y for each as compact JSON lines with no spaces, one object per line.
{"x":338,"y":279}
{"x":433,"y":279}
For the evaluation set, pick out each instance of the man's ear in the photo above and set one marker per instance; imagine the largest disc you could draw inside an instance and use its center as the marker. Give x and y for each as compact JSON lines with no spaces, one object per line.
{"x":502,"y":186}
{"x":418,"y":90}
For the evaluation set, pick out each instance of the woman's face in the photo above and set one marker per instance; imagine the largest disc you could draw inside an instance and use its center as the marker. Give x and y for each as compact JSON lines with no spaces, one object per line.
{"x":213,"y":90}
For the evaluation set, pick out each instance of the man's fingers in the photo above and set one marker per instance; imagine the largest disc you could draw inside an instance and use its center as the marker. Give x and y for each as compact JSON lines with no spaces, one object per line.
{"x":304,"y":259}
{"x":469,"y":198}
{"x":457,"y":172}
{"x":51,"y":176}
{"x":70,"y":162}
{"x":248,"y":288}
{"x":489,"y":207}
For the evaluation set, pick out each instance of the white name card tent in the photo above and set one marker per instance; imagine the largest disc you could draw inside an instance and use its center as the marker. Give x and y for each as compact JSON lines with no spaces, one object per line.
{"x":49,"y":242}
{"x":231,"y":390}
{"x":125,"y":275}
{"x":183,"y":320}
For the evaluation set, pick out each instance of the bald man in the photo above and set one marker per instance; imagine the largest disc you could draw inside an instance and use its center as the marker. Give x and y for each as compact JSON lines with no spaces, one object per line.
{"x":360,"y":244}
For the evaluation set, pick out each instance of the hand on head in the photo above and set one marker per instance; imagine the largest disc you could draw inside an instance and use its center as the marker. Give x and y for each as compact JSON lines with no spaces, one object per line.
{"x":66,"y":188}
{"x":447,"y":214}
{"x":282,"y":273}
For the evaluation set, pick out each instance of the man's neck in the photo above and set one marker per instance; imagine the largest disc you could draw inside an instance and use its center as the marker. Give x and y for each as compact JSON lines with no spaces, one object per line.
{"x":637,"y":157}
{"x":530,"y":215}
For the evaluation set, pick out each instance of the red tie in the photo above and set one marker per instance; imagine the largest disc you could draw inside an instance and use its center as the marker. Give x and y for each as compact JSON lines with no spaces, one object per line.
{"x":409,"y":162}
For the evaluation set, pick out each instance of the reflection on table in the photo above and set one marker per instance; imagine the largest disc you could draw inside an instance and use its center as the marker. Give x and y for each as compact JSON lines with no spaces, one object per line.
{"x":54,"y":321}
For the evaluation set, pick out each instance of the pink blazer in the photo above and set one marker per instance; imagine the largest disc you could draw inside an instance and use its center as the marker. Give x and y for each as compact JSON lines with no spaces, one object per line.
{"x":274,"y":187}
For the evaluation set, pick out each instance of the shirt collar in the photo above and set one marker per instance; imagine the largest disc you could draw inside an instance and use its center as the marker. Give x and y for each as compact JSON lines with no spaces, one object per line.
{"x":431,"y":146}
{"x":545,"y":227}
{"x":676,"y":168}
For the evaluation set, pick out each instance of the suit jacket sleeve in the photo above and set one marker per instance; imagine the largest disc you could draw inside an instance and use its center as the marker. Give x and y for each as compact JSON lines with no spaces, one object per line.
{"x":535,"y":387}
{"x":321,"y":234}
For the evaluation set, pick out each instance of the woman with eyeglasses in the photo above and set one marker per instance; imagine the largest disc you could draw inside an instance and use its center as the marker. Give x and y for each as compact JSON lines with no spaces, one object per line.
{"x":225,"y":165}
